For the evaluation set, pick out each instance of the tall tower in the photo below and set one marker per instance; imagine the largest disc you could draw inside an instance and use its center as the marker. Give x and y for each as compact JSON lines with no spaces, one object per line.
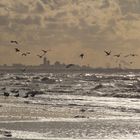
{"x":44,"y":61}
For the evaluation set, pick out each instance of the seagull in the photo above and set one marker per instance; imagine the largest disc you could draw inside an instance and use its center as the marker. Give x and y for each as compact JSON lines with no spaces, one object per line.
{"x":28,"y":53}
{"x":17,"y":50}
{"x":117,"y":55}
{"x":6,"y":94}
{"x":26,"y":96}
{"x":45,"y":51}
{"x":13,"y":41}
{"x":81,"y":55}
{"x":133,"y":54}
{"x":14,"y":91}
{"x":69,"y":65}
{"x":16,"y":95}
{"x":24,"y":54}
{"x":23,"y":70}
{"x":40,"y":56}
{"x":107,"y":53}
{"x":127,"y":55}
{"x":4,"y":88}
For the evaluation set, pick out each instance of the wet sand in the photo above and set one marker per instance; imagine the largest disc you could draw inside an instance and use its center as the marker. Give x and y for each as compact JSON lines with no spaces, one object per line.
{"x":56,"y":121}
{"x":70,"y":108}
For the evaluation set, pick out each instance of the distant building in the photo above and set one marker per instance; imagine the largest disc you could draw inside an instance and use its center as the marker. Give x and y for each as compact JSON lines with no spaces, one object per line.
{"x":18,"y":65}
{"x":45,"y":62}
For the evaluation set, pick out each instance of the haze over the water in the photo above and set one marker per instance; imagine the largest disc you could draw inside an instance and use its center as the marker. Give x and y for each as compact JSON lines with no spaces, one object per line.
{"x":69,"y":28}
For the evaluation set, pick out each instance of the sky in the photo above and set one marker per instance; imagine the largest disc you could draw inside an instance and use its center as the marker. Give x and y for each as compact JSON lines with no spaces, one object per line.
{"x":68,"y":28}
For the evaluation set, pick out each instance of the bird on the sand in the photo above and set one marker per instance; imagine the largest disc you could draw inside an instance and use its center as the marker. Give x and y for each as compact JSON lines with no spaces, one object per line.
{"x":7,"y":134}
{"x":26,"y":95}
{"x":16,"y":95}
{"x":107,"y":53}
{"x":81,"y":55}
{"x":6,"y":94}
{"x":15,"y":91}
{"x":4,"y":88}
{"x":14,"y":41}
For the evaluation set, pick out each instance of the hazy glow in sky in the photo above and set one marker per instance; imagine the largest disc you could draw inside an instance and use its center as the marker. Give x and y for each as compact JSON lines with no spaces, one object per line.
{"x":68,"y":28}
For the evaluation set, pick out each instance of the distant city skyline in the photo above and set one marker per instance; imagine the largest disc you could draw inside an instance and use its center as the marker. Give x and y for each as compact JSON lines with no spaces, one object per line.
{"x":68,"y":28}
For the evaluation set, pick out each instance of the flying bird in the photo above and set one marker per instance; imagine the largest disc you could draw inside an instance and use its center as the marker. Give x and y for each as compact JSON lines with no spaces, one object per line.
{"x":81,"y":55}
{"x":40,"y":56}
{"x":28,"y":53}
{"x":107,"y":53}
{"x":17,"y":50}
{"x":24,"y":54}
{"x":45,"y":51}
{"x":117,"y":55}
{"x":127,"y":55}
{"x":133,"y":55}
{"x":14,"y":41}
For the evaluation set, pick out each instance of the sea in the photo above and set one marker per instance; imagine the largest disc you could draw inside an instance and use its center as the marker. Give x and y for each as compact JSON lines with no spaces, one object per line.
{"x":104,"y":105}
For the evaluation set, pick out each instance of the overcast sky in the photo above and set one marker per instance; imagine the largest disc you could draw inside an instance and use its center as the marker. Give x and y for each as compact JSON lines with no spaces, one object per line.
{"x":68,"y":28}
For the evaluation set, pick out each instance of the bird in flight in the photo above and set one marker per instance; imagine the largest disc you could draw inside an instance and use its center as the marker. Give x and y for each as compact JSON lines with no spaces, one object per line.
{"x":24,"y":54}
{"x":117,"y":55}
{"x":28,"y":53}
{"x":17,"y":50}
{"x":107,"y":53}
{"x":133,"y":55}
{"x":81,"y":55}
{"x":45,"y":51}
{"x":14,"y":41}
{"x":40,"y":56}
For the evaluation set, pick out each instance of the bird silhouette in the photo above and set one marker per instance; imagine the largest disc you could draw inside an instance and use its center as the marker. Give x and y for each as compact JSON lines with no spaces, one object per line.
{"x":127,"y":55}
{"x":28,"y":53}
{"x":69,"y":65}
{"x":16,"y":95}
{"x":24,"y":54}
{"x":17,"y":50}
{"x":117,"y":55}
{"x":6,"y":94}
{"x":24,"y":69}
{"x":40,"y":56}
{"x":14,"y":91}
{"x":81,"y":55}
{"x":14,"y":41}
{"x":107,"y":53}
{"x":26,"y":95}
{"x":45,"y":51}
{"x":133,"y":55}
{"x":4,"y":88}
